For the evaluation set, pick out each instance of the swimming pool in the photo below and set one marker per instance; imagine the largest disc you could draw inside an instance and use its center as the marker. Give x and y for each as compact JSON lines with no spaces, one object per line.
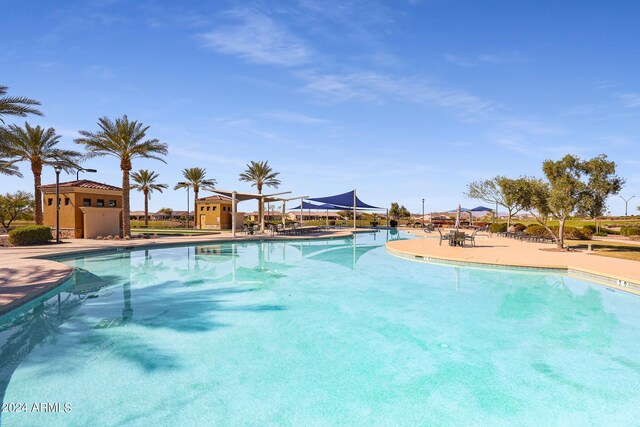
{"x":319,"y":333}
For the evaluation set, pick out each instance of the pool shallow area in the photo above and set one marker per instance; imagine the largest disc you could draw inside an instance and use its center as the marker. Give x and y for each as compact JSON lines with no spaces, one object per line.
{"x":334,"y":332}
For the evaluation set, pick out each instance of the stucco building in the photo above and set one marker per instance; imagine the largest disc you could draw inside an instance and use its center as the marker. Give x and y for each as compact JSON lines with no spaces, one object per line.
{"x":214,"y":212}
{"x":87,"y":209}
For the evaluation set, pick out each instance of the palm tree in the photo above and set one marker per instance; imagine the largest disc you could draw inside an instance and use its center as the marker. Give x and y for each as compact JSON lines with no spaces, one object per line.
{"x":195,"y":178}
{"x":12,"y":106}
{"x":260,"y":173}
{"x":126,"y":141}
{"x":145,"y":181}
{"x":37,"y":146}
{"x":16,"y":105}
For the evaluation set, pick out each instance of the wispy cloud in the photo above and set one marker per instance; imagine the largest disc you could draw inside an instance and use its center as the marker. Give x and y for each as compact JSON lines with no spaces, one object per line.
{"x":630,"y":100}
{"x":492,"y":58}
{"x":371,"y":86}
{"x":291,"y":117}
{"x":458,"y":60}
{"x":258,"y":38}
{"x":100,"y":72}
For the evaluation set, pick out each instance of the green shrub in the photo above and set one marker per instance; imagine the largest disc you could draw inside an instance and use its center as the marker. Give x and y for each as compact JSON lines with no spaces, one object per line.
{"x":498,"y":227}
{"x":536,"y":230}
{"x":609,"y":231}
{"x":590,"y":227}
{"x":571,"y":233}
{"x":30,"y":235}
{"x":519,"y":227}
{"x":600,"y":234}
{"x":393,"y":223}
{"x":633,"y":231}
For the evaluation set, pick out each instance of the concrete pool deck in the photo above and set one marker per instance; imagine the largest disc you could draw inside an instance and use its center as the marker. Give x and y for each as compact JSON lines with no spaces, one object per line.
{"x":500,"y":252}
{"x":26,"y":274}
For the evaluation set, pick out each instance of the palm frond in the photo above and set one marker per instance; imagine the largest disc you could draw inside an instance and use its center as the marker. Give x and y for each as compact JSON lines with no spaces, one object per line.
{"x":38,"y":146}
{"x":144,"y":180}
{"x":16,"y":105}
{"x":9,"y":168}
{"x":123,"y":139}
{"x":259,"y":174}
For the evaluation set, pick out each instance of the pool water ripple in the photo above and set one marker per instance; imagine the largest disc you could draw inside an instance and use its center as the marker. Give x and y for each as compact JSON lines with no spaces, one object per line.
{"x":334,"y":332}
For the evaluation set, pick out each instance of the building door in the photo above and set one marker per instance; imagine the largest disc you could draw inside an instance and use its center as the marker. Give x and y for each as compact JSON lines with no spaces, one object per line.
{"x":203,"y":221}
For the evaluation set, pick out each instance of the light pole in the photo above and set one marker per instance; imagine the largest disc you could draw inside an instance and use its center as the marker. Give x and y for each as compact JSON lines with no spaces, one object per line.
{"x":186,"y":184}
{"x":58,"y":169}
{"x":422,"y":213}
{"x":84,"y":170}
{"x":626,"y":204}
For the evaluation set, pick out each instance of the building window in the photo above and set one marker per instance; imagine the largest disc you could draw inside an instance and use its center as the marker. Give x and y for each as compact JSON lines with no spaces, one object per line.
{"x":201,"y":208}
{"x":208,"y":208}
{"x":112,"y":203}
{"x":214,"y":208}
{"x":86,"y":202}
{"x":100,"y":202}
{"x":67,"y":201}
{"x":50,"y":201}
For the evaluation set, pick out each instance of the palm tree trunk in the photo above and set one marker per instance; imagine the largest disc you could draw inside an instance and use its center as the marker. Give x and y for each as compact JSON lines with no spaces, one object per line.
{"x":146,"y":209}
{"x":37,"y":181}
{"x":195,"y":205}
{"x":126,"y":209}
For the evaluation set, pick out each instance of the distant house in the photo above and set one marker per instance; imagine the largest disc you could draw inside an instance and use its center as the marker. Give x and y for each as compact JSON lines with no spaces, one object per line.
{"x":313,"y":215}
{"x":139,"y":215}
{"x":87,"y":208}
{"x":181,"y":215}
{"x":162,"y":216}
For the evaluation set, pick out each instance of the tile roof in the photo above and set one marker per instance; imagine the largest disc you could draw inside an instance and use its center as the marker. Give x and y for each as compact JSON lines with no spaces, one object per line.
{"x":215,"y":198}
{"x":83,"y":183}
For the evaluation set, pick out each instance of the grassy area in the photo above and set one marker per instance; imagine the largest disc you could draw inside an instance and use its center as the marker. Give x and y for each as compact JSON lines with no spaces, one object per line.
{"x":610,"y":249}
{"x":170,"y":231}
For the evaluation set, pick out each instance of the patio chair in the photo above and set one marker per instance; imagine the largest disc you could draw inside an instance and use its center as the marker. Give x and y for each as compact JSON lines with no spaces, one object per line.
{"x":443,"y":236}
{"x":471,"y":238}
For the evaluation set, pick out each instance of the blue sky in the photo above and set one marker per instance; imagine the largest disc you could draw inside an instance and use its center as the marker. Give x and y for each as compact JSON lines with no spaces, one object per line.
{"x":402,"y":100}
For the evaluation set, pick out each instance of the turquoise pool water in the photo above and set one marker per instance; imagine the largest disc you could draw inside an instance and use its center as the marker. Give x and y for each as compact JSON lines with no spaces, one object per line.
{"x":330,"y":332}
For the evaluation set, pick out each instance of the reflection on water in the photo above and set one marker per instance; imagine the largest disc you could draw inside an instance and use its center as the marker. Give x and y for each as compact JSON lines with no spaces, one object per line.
{"x":298,"y":311}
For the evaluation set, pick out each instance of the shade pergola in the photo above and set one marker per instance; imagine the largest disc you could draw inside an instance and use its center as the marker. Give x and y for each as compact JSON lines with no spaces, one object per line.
{"x":237,"y":197}
{"x":483,"y":209}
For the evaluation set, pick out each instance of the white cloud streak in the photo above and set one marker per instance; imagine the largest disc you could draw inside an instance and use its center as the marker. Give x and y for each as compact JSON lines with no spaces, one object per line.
{"x":259,"y":39}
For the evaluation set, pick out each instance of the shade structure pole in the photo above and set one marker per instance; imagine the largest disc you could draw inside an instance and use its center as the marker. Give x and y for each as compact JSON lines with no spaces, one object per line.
{"x":301,"y":212}
{"x":387,"y":217}
{"x":354,"y":209}
{"x":327,"y":217}
{"x":261,"y":201}
{"x":57,"y":203}
{"x":284,"y":211}
{"x":233,"y":214}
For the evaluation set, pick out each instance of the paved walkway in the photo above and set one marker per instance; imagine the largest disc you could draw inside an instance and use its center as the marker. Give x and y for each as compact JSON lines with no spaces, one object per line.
{"x":510,"y":252}
{"x":24,"y":276}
